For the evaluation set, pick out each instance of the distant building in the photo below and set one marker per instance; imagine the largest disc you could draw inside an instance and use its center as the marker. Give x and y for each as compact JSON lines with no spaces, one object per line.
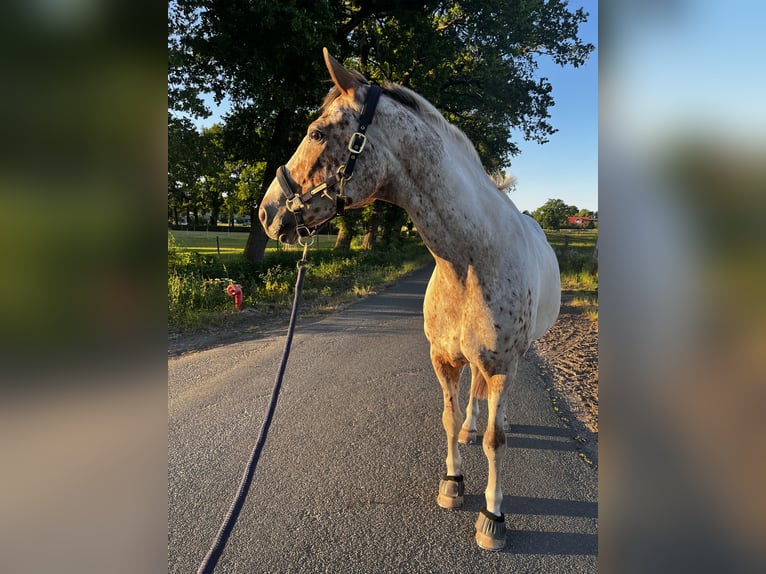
{"x":579,"y":220}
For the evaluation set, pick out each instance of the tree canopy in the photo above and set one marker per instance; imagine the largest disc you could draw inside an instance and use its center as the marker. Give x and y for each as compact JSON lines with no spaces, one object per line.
{"x":554,"y":213}
{"x":475,"y":60}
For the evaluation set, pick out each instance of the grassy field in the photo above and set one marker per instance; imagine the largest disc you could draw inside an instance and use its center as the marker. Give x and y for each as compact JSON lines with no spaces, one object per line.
{"x":205,"y":241}
{"x":579,"y":270}
{"x":198,"y":275}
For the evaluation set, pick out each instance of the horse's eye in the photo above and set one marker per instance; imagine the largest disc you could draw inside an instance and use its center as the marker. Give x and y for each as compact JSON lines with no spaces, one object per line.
{"x":316,"y":136}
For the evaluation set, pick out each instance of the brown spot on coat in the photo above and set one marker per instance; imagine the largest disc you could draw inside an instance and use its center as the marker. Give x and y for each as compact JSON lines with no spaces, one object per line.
{"x":495,"y":438}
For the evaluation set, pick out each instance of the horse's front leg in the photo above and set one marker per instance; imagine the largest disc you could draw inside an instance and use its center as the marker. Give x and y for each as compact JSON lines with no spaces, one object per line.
{"x":451,"y":486}
{"x":490,"y":526}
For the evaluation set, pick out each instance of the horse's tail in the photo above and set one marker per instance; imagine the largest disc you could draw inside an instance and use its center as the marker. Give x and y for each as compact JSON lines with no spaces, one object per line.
{"x":479,"y":387}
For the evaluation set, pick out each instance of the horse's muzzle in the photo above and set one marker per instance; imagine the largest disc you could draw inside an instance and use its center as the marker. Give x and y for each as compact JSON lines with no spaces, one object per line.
{"x":278,"y":223}
{"x":276,"y":220}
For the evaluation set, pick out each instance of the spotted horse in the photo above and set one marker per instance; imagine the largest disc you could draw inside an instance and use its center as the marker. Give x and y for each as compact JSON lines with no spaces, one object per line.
{"x":495,"y":287}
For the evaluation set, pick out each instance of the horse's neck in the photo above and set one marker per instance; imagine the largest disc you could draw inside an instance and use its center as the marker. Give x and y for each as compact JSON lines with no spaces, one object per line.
{"x":441,"y":185}
{"x":449,"y":207}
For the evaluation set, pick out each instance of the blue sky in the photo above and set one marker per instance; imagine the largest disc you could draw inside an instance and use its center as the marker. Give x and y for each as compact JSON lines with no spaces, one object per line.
{"x":567,"y":166}
{"x":698,"y":67}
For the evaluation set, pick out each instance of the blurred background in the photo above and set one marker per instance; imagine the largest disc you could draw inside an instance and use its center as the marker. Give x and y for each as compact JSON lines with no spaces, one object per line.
{"x":682,"y":175}
{"x":82,"y":311}
{"x":682,"y":190}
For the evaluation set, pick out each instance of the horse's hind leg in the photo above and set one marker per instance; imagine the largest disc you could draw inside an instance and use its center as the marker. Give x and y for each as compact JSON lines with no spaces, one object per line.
{"x":468,"y":433}
{"x":451,"y":485}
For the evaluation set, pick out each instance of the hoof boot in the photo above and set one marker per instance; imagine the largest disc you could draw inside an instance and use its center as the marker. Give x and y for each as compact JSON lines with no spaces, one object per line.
{"x":490,"y":531}
{"x":451,"y":491}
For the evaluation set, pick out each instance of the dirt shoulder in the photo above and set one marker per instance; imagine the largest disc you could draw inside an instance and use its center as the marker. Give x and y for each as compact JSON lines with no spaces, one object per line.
{"x":568,"y":358}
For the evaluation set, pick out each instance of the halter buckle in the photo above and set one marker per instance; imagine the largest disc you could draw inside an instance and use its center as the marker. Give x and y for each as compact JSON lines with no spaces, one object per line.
{"x":294,"y":204}
{"x":322,"y":188}
{"x":357,"y":142}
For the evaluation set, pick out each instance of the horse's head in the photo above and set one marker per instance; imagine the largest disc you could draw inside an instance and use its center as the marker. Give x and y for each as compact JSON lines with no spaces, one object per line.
{"x":316,"y":183}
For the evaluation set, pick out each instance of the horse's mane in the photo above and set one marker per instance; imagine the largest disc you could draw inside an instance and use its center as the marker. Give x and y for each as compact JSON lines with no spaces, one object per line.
{"x":428,"y":113}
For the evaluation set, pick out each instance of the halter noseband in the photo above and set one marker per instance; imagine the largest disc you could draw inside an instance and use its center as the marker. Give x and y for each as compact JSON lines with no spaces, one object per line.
{"x":297,"y":202}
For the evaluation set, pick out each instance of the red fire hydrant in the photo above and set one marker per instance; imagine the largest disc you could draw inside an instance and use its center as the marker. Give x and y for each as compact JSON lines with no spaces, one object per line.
{"x":235,"y":290}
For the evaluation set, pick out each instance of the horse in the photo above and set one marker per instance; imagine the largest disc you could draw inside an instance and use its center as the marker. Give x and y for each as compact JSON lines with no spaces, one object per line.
{"x":495,"y":287}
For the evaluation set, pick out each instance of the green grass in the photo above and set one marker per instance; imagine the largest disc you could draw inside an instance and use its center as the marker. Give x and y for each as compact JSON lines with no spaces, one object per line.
{"x":574,"y":251}
{"x":198,"y":276}
{"x":205,"y":242}
{"x":579,"y":279}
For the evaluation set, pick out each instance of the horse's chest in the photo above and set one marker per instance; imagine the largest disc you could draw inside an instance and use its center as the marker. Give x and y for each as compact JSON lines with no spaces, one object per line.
{"x":461,"y":318}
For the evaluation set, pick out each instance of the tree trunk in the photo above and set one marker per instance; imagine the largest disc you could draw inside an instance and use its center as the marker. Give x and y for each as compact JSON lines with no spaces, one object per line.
{"x":255,"y":248}
{"x":256,"y":241}
{"x":343,"y":241}
{"x":215,"y":210}
{"x":346,"y":227}
{"x":371,"y":236}
{"x":392,"y":220}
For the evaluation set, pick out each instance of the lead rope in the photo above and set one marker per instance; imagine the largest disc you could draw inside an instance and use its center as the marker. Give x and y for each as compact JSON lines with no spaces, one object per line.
{"x":211,"y":559}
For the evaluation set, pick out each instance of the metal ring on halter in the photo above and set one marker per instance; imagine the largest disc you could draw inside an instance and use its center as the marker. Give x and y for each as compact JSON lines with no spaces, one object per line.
{"x":303,"y":262}
{"x":342,"y":177}
{"x":309,"y":240}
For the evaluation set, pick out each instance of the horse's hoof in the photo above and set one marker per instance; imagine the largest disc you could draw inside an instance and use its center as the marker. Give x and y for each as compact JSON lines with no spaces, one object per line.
{"x":451,"y":490}
{"x":467,"y":436}
{"x":490,"y":530}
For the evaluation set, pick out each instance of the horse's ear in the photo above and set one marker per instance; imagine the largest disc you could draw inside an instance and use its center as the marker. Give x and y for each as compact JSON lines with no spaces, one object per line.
{"x":344,"y":80}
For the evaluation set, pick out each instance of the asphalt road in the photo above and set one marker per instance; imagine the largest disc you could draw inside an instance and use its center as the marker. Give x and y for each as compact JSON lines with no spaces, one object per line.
{"x":348,"y":478}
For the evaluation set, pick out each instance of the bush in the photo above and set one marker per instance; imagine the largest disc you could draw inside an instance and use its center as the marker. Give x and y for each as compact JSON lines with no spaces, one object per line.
{"x":197,"y":282}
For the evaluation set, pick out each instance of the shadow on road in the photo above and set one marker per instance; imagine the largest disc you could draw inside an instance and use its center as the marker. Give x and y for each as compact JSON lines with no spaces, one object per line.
{"x":534,"y":542}
{"x":546,"y":542}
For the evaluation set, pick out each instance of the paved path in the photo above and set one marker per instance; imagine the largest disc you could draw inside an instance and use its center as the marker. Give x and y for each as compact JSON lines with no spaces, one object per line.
{"x":348,"y":478}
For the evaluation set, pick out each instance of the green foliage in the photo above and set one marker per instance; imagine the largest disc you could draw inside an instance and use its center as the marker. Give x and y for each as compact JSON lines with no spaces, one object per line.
{"x":475,"y":60}
{"x":197,"y":280}
{"x":553,"y":214}
{"x":575,"y":253}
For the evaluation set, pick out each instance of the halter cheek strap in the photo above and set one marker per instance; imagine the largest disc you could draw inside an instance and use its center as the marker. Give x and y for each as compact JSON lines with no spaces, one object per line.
{"x":297,"y":202}
{"x":358,"y":138}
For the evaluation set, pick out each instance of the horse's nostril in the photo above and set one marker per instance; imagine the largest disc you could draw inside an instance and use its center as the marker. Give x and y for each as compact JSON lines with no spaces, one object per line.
{"x":262,"y":216}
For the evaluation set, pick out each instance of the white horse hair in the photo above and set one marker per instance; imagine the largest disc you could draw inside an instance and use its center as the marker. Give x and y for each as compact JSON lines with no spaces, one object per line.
{"x":496,"y":284}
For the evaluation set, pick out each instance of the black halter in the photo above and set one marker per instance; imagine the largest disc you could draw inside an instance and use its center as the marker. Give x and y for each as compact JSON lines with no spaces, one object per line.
{"x":332,"y":187}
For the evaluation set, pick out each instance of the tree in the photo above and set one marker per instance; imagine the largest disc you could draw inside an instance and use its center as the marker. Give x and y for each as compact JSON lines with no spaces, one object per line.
{"x":183,"y":164}
{"x":476,"y":60}
{"x":347,"y":228}
{"x":246,"y":50}
{"x":218,"y":179}
{"x":553,"y":214}
{"x":372,"y":220}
